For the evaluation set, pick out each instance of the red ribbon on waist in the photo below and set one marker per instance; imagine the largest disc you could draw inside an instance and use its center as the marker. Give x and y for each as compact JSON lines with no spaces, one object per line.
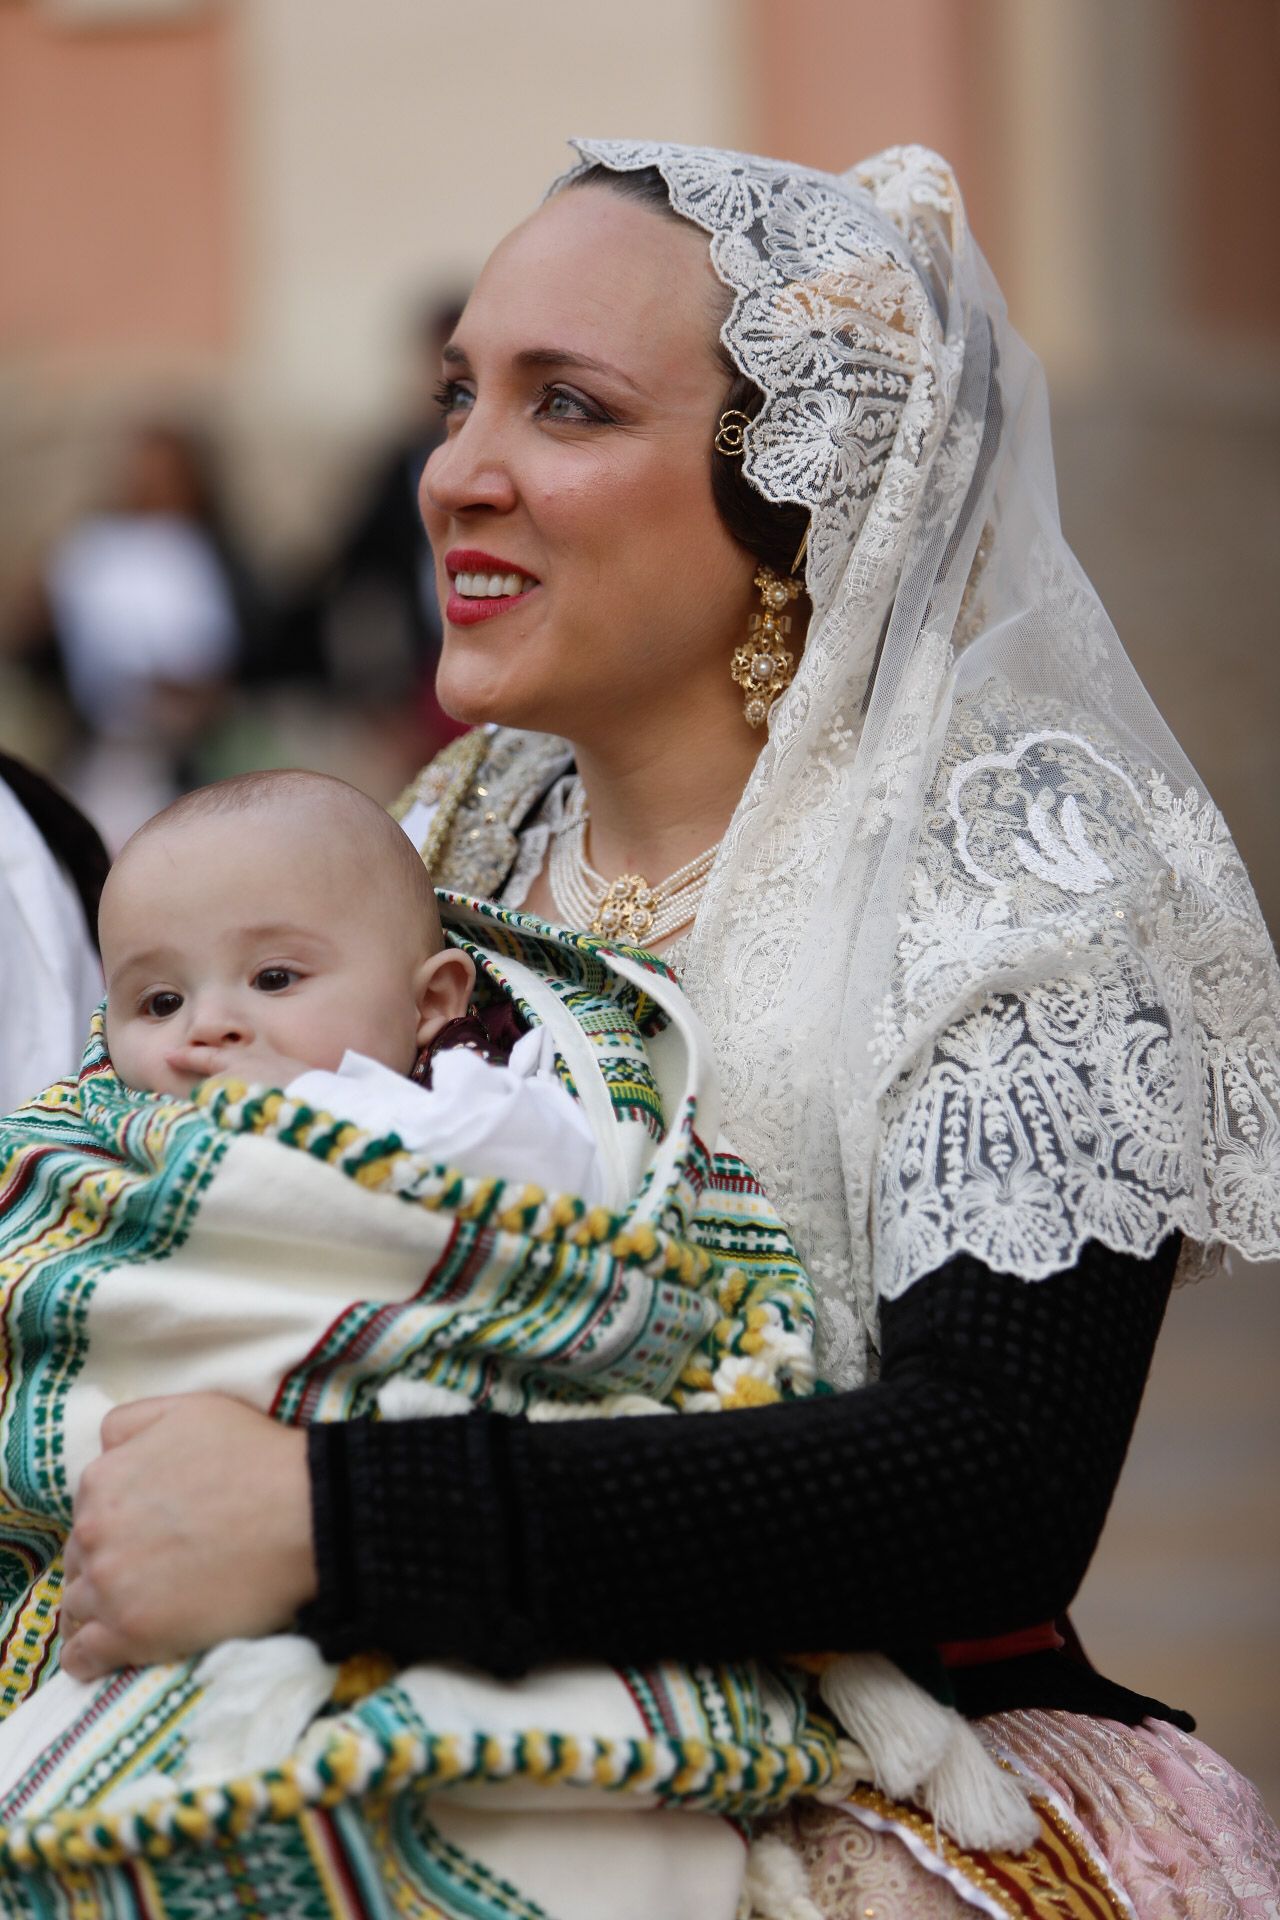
{"x":1044,"y":1638}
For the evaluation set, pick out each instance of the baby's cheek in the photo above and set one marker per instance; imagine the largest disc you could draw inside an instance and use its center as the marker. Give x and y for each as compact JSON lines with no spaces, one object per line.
{"x":134,"y":1061}
{"x":119,"y":1049}
{"x":317,"y":1036}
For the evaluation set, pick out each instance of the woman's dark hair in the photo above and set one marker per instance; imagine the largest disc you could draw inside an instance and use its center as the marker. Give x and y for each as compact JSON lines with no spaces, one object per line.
{"x":772,"y":533}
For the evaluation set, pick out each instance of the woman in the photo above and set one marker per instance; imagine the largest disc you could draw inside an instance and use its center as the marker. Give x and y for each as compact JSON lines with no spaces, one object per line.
{"x":991,"y":1000}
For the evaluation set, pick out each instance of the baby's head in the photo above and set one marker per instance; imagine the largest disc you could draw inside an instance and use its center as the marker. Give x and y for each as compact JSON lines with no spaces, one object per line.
{"x":265,"y":925}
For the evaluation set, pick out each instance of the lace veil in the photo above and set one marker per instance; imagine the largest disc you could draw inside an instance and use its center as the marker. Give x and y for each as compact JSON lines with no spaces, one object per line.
{"x":982,"y":967}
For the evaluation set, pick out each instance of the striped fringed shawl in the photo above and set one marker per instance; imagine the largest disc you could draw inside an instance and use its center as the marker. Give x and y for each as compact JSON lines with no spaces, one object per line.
{"x":243,"y":1243}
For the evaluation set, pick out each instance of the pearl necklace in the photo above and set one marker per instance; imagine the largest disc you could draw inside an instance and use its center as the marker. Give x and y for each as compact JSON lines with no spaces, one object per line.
{"x":627,"y":908}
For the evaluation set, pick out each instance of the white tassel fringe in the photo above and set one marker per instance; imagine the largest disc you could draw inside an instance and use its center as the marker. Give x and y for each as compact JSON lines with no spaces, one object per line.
{"x":973,"y":1798}
{"x":919,"y":1750}
{"x":774,"y":1885}
{"x":902,"y":1730}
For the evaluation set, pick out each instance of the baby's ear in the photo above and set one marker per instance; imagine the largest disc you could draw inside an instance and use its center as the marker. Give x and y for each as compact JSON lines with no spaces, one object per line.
{"x":442,"y":990}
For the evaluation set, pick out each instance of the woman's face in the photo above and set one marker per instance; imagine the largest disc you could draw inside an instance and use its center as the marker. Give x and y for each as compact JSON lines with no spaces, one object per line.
{"x":583,"y":391}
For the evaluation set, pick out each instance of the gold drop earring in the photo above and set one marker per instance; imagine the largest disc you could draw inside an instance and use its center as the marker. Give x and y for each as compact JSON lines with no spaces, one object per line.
{"x":764,"y":664}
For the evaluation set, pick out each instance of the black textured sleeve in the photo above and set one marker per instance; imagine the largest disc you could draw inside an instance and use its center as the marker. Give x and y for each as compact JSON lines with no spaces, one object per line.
{"x":960,"y":1495}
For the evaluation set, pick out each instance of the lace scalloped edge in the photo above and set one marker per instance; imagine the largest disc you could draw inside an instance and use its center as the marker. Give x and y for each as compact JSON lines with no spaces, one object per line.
{"x":1202,"y":1255}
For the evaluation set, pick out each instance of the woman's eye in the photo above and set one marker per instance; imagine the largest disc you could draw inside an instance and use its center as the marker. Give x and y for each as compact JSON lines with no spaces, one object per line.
{"x":160,"y":1005}
{"x":453,"y":398}
{"x":562,"y":403}
{"x":274,"y":979}
{"x":455,"y":401}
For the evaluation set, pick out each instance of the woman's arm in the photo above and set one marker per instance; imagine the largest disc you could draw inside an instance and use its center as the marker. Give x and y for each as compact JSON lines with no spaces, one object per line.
{"x":959,"y":1496}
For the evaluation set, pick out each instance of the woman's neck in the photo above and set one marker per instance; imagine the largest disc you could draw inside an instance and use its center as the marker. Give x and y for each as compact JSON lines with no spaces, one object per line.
{"x":659,"y":796}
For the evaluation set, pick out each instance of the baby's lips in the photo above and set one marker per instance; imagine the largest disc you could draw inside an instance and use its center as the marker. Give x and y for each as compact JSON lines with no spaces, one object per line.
{"x":199,"y":1061}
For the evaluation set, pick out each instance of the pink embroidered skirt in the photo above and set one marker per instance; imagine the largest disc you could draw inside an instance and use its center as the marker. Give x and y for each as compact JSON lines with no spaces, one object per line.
{"x":1144,"y":1821}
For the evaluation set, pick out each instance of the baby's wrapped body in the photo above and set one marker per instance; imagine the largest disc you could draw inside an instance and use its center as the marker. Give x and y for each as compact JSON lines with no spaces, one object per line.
{"x":248,"y":1242}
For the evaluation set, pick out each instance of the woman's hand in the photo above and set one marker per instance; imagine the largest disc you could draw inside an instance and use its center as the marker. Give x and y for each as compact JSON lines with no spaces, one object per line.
{"x":192,"y":1526}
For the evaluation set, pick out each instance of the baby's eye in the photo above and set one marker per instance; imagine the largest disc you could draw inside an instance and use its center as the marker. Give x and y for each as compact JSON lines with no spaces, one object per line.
{"x":274,"y":979}
{"x":162,"y":1004}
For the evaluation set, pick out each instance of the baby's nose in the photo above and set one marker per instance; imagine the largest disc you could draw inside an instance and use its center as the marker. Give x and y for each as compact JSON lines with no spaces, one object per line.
{"x":216,"y":1023}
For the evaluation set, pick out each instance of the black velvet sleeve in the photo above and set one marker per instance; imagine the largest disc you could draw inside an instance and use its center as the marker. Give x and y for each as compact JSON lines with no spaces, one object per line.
{"x":960,"y":1495}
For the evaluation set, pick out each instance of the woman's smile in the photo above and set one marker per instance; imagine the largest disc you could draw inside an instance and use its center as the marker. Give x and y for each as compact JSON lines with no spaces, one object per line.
{"x":482,"y":585}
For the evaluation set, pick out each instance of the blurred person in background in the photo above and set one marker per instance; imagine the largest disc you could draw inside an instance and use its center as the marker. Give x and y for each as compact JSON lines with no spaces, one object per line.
{"x":148,"y":612}
{"x":52,"y":866}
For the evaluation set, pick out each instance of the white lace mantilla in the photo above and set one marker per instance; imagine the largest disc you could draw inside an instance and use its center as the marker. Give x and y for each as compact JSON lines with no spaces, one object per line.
{"x":832,"y":321}
{"x":1119,"y":1081}
{"x":981,"y":966}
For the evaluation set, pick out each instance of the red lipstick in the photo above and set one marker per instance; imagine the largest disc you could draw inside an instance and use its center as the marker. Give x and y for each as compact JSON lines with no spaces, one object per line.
{"x":466,"y":610}
{"x":474,"y":560}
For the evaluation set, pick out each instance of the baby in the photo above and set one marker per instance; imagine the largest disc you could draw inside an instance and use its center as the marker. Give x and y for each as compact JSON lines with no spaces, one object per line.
{"x":280,"y":927}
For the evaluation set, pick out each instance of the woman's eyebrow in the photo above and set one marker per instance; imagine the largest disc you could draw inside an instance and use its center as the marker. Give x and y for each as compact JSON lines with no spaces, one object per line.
{"x":531,"y":357}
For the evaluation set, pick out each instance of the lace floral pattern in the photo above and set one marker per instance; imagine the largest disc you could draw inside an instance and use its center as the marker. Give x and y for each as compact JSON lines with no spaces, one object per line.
{"x":830,"y":318}
{"x":980,"y":964}
{"x":1064,"y":1107}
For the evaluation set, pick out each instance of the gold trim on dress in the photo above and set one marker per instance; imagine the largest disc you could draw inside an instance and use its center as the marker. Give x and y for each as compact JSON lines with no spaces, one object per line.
{"x":1058,"y":1878}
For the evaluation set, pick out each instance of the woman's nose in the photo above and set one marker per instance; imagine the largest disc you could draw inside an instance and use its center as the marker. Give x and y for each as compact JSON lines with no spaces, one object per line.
{"x":469,"y":470}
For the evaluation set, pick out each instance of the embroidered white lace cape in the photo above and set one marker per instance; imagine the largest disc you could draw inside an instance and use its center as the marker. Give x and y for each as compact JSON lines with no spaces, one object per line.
{"x":982,"y":967}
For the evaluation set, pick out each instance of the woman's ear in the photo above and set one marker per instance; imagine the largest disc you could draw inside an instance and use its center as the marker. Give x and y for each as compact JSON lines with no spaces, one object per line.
{"x":442,"y":990}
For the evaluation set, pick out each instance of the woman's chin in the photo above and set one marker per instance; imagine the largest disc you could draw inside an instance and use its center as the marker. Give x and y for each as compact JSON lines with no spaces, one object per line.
{"x":475,"y":708}
{"x":479,"y":699}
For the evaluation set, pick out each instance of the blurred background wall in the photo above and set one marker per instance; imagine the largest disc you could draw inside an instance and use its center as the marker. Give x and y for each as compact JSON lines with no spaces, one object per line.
{"x":229,"y":216}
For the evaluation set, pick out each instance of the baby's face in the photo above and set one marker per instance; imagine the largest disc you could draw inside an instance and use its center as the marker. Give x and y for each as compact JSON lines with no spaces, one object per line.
{"x":234,"y":944}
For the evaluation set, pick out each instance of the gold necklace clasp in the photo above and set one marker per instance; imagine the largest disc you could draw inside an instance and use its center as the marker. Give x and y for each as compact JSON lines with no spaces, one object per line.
{"x":626,"y":910}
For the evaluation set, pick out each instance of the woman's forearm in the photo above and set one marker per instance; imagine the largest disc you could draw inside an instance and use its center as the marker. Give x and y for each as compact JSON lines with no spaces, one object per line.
{"x":960,"y":1495}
